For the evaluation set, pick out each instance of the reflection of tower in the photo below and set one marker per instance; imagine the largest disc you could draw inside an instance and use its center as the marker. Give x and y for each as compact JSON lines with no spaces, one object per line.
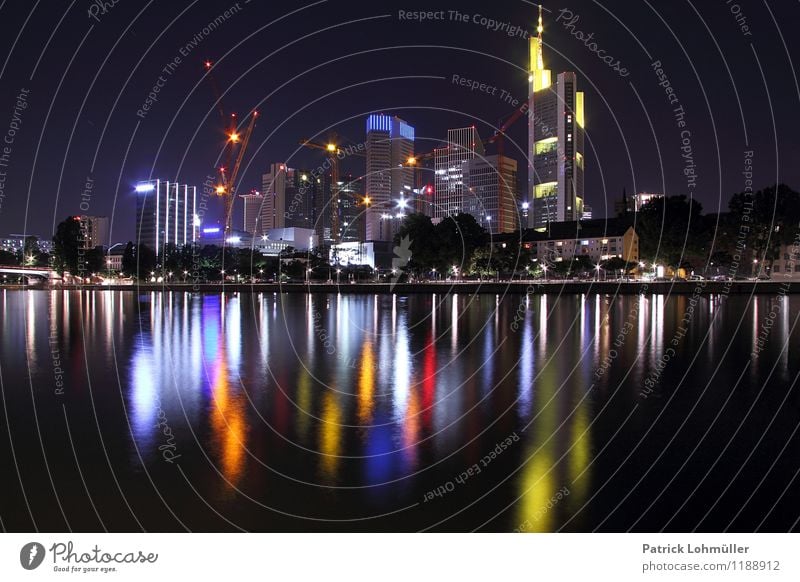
{"x":555,"y":142}
{"x":390,"y":144}
{"x":555,"y":476}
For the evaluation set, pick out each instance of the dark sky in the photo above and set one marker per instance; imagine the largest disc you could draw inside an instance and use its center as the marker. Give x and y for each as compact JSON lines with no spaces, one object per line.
{"x":311,"y":67}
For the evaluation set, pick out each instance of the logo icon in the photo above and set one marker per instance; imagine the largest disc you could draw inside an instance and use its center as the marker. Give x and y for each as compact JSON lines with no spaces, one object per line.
{"x":402,"y":257}
{"x":31,"y":555}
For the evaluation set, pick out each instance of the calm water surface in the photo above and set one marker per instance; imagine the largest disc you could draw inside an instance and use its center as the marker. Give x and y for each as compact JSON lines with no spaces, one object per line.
{"x":173,"y":411}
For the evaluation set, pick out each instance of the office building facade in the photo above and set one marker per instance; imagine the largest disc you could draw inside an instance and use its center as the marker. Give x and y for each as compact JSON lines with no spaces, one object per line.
{"x":94,"y":231}
{"x":491,"y":192}
{"x":463,"y":145}
{"x":555,"y":142}
{"x":166,"y":213}
{"x":390,"y":178}
{"x":251,"y":222}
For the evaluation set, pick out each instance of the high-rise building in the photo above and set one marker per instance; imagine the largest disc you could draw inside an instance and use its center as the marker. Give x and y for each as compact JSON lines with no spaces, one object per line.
{"x":273,"y":189}
{"x":303,"y":193}
{"x":463,"y":145}
{"x":555,"y":142}
{"x":491,"y":192}
{"x":94,"y":231}
{"x":166,"y":214}
{"x":390,"y":145}
{"x":351,"y":218}
{"x":295,"y":198}
{"x":252,"y":212}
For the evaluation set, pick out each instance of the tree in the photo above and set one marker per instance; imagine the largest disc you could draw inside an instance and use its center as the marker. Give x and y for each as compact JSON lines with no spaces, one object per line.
{"x":772,"y":216}
{"x":8,"y":258}
{"x":458,"y":237}
{"x":146,"y":261}
{"x":94,"y":260}
{"x":419,"y":231}
{"x":129,"y":260}
{"x":671,"y":230}
{"x":66,"y":246}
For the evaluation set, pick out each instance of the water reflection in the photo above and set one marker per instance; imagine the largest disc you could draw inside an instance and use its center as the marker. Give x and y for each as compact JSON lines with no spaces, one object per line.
{"x":371,"y":401}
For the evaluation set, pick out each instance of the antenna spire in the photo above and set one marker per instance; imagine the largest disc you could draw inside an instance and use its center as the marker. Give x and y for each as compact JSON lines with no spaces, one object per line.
{"x":540,"y":28}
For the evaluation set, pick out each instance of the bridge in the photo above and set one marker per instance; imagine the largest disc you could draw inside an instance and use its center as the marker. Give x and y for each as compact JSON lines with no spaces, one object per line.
{"x":40,"y":273}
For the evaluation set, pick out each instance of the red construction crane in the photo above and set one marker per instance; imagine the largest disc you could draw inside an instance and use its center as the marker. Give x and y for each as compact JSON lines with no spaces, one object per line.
{"x":233,"y":150}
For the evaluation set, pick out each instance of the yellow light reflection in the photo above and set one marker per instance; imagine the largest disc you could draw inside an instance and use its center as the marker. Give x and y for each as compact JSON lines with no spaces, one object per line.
{"x":330,"y":435}
{"x":228,"y":424}
{"x":366,"y":384}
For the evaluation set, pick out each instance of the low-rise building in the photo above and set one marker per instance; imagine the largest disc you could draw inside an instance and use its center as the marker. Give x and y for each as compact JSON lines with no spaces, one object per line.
{"x":599,"y":240}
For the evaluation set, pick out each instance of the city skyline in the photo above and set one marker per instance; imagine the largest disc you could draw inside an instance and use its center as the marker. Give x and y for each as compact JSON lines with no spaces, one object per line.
{"x":109,"y":190}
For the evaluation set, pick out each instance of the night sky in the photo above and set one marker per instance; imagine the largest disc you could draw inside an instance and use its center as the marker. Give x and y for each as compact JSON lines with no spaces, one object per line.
{"x":310,"y":68}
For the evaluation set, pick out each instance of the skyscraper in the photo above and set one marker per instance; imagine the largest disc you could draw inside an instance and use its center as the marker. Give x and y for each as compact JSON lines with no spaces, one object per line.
{"x":555,"y":142}
{"x":252,"y":212}
{"x":165,"y":214}
{"x":463,"y":145}
{"x":390,"y":144}
{"x":273,"y":188}
{"x":351,"y":218}
{"x":491,"y":192}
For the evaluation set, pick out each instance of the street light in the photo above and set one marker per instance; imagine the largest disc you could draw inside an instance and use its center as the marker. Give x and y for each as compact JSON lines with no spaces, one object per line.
{"x":544,"y":268}
{"x":434,"y":273}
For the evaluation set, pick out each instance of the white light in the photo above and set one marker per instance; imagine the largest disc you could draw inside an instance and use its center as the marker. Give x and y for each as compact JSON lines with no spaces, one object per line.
{"x":234,"y":239}
{"x":145,"y":187}
{"x":524,"y":205}
{"x":402,"y":203}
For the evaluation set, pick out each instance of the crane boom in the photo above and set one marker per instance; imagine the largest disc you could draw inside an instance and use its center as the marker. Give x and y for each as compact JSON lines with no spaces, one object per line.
{"x":230,"y":187}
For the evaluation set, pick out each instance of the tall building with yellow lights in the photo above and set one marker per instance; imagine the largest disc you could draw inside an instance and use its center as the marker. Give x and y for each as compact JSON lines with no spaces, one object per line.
{"x":555,"y":142}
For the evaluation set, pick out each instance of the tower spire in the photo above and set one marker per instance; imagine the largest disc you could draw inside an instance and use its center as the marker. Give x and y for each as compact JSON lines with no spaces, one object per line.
{"x":540,"y":28}
{"x":539,"y":76}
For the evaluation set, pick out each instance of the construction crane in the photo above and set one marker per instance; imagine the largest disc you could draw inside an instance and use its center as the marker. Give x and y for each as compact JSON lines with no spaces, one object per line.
{"x":234,"y":149}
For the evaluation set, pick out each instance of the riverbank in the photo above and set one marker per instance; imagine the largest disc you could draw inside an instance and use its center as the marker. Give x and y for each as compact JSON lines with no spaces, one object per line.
{"x":469,"y":287}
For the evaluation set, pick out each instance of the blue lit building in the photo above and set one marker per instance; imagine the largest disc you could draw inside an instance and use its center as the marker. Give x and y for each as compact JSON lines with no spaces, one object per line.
{"x":390,"y":143}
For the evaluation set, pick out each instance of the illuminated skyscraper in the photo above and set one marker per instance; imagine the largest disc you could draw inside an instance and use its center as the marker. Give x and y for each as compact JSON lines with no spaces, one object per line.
{"x":463,"y":145}
{"x":165,"y":214}
{"x":390,"y":144}
{"x":555,"y":142}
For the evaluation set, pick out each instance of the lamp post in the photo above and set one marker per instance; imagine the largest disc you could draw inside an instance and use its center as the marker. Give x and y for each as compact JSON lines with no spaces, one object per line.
{"x":434,"y":273}
{"x":544,"y":268}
